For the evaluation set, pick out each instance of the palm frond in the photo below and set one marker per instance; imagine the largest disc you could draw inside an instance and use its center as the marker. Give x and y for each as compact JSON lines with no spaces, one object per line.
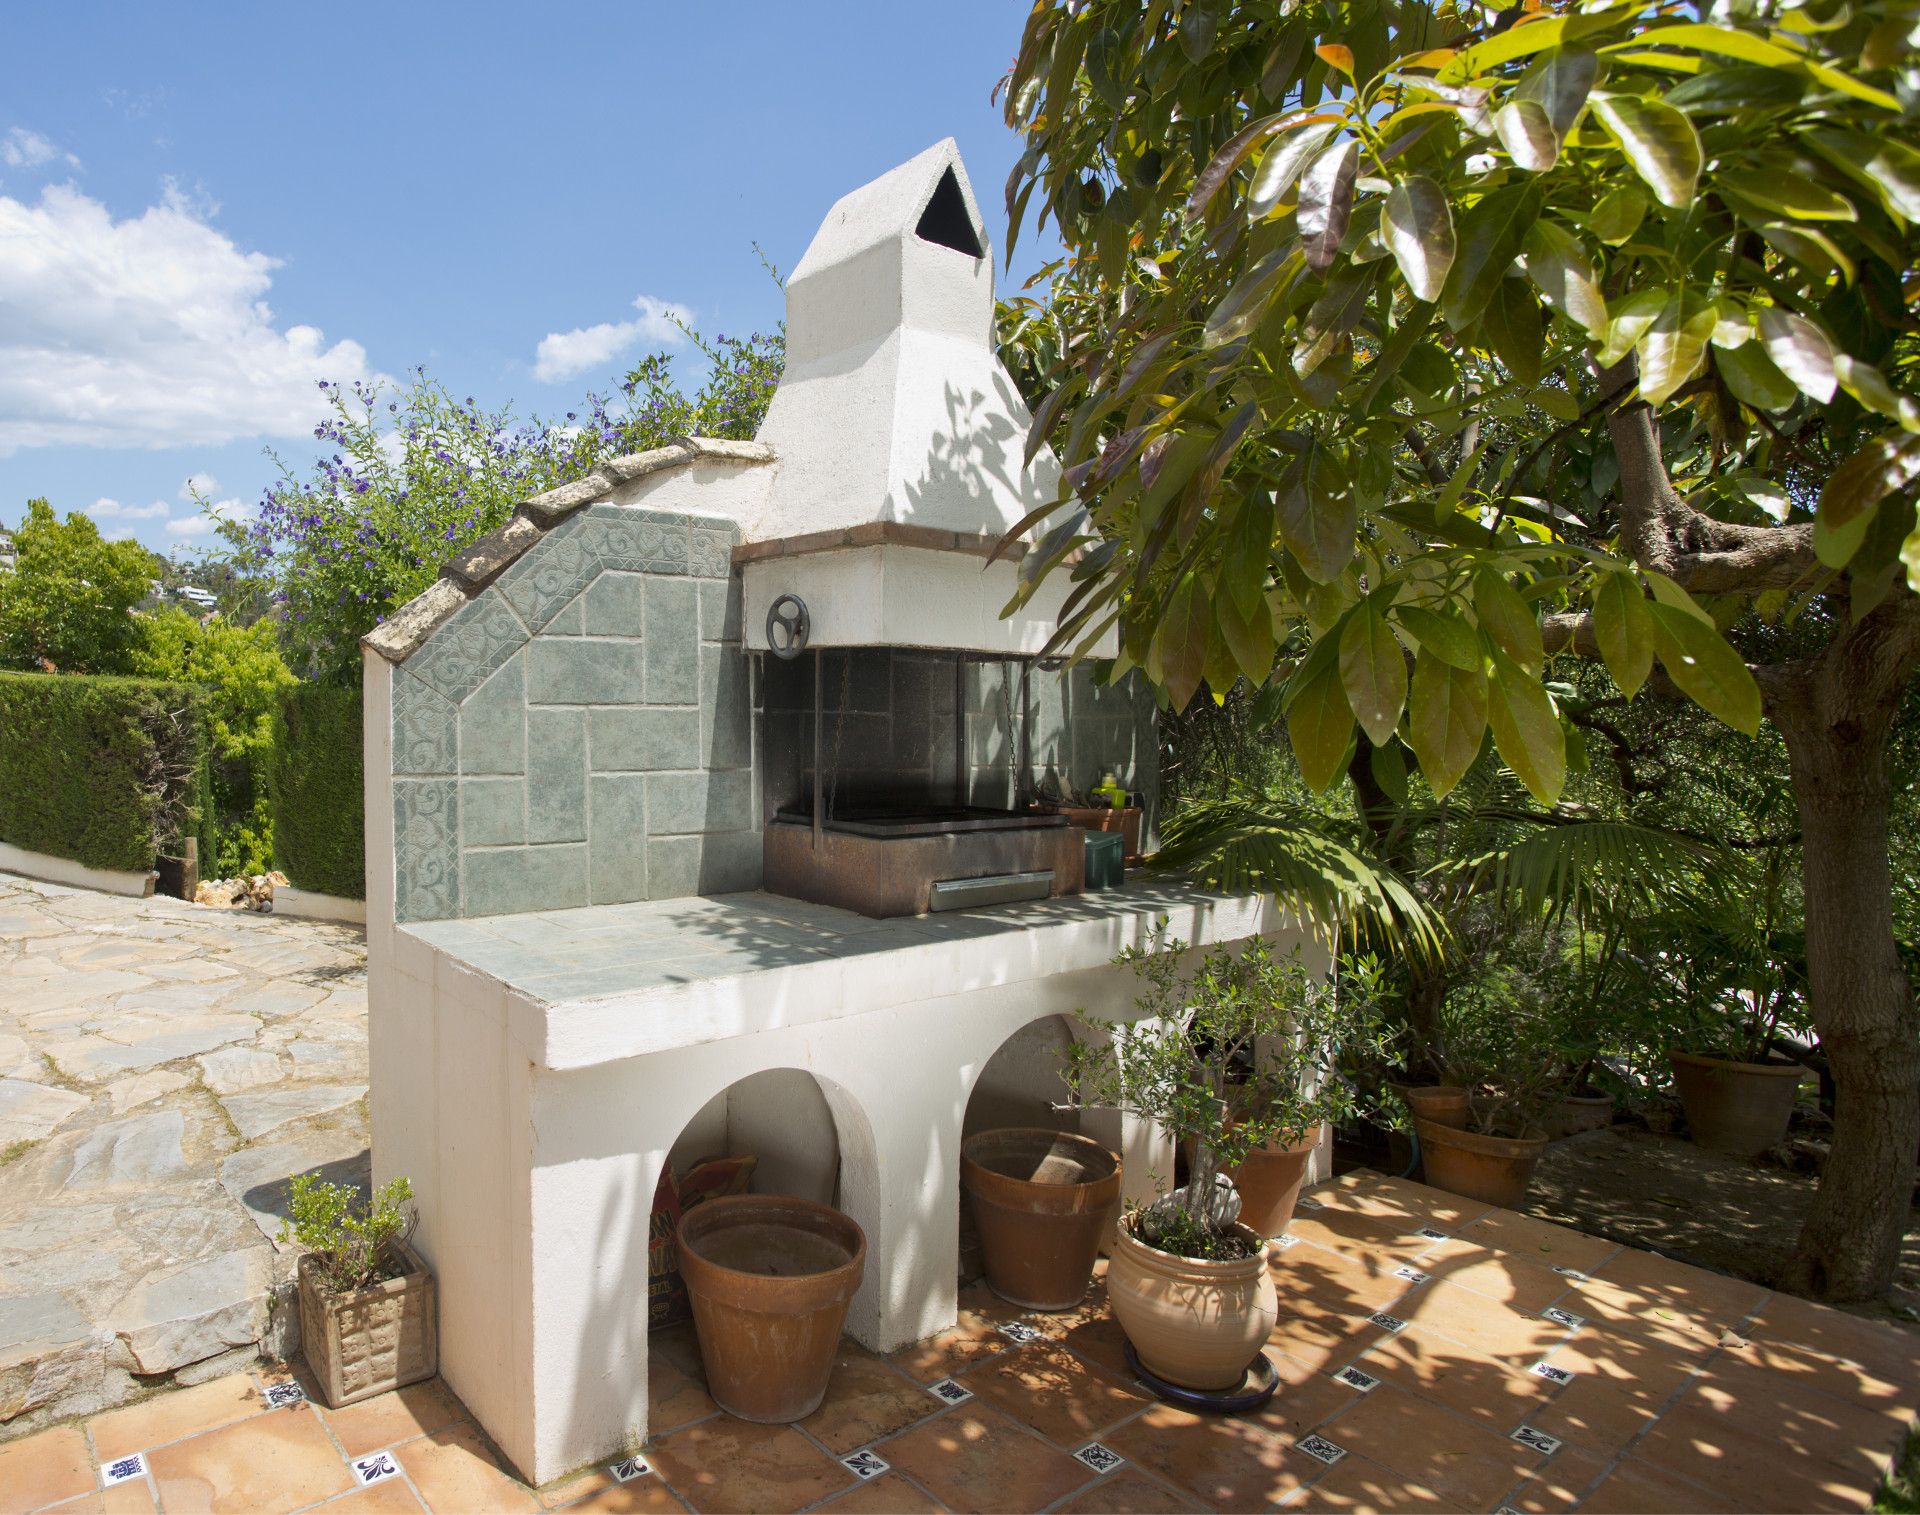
{"x":1578,"y":867}
{"x":1294,"y":855}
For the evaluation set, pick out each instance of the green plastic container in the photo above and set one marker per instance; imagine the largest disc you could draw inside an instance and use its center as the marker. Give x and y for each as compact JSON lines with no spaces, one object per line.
{"x":1106,"y":866}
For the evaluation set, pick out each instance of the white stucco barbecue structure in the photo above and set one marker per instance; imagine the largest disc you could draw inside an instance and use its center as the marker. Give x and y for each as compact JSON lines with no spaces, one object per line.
{"x":573,"y":742}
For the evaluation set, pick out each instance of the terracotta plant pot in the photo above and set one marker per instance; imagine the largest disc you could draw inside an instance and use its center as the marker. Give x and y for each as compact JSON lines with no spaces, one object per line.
{"x":1738,"y":1108}
{"x":1042,"y":1201}
{"x":1580,"y":1112}
{"x":1269,"y":1183}
{"x":1492,"y":1169}
{"x":370,"y":1340}
{"x":1443,"y":1104}
{"x":769,"y":1278}
{"x":1197,"y":1324}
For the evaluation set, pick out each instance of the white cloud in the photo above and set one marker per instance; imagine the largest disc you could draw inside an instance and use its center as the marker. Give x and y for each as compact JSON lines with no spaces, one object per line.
{"x":151,"y":331}
{"x":199,"y":486}
{"x":202,"y":525}
{"x":563,"y":354}
{"x":104,"y":509}
{"x":21,"y":148}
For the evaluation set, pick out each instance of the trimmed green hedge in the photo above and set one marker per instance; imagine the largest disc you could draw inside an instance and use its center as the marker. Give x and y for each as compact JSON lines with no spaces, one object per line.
{"x":106,"y":771}
{"x":313,"y":778}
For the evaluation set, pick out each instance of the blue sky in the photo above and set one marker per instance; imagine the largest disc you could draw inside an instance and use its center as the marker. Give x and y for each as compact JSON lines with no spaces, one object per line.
{"x":205,"y":208}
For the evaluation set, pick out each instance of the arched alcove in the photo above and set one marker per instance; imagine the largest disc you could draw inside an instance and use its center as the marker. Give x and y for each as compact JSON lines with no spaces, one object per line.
{"x":783,"y":1119}
{"x":1021,"y":1084}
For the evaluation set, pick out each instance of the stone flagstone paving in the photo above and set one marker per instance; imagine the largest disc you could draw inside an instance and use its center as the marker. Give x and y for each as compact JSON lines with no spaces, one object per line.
{"x":163,"y":1068}
{"x":1411,"y":1345}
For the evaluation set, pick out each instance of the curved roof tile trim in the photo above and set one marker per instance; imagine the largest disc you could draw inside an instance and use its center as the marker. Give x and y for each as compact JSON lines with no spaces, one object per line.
{"x":405,"y":631}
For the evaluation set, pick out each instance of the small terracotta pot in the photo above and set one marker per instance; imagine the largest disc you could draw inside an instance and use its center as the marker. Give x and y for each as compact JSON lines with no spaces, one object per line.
{"x":1738,"y":1108}
{"x":1580,"y":1112}
{"x":1197,"y":1324}
{"x":769,"y":1278}
{"x":1042,"y":1201}
{"x":1492,"y":1169}
{"x":1269,"y":1183}
{"x":1443,"y":1104}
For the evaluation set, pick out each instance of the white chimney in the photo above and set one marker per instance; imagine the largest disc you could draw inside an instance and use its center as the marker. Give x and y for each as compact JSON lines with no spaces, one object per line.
{"x":899,"y":436}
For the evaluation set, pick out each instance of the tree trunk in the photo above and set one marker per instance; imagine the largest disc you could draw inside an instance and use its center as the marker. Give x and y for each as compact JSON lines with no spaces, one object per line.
{"x":1836,"y":720}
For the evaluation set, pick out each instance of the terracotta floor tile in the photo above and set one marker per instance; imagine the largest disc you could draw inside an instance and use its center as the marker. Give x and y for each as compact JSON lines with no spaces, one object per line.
{"x":974,"y":1458}
{"x":866,"y":1400}
{"x":673,"y":1399}
{"x":1101,"y":1342}
{"x":397,"y":1416}
{"x":1322,"y":1340}
{"x":1457,"y":1459}
{"x":971,"y":1340}
{"x":1539,"y":1241}
{"x":1749,"y":1467}
{"x":1128,"y":1491}
{"x":1356,"y":1235}
{"x":1500,"y":1276}
{"x":640,"y":1496}
{"x":40,"y":1469}
{"x":1490,"y":1328}
{"x":1650,"y":1373}
{"x":1464,"y":1381}
{"x":727,"y":1464}
{"x":174,"y":1414}
{"x":1377,"y":1194}
{"x":1635,"y":1488}
{"x":889,"y":1494}
{"x":1353,"y":1284}
{"x":1229,"y":1463}
{"x":390,"y":1496}
{"x":457,"y":1473}
{"x":1568,"y":1475}
{"x":1355,"y":1483}
{"x":1886,"y":1351}
{"x":1651,"y":1317}
{"x":1696,"y":1294}
{"x":980,"y":1307}
{"x":1596,"y":1414}
{"x":1297,"y":1408}
{"x":277,"y":1461}
{"x":134,"y":1497}
{"x":1049,"y":1390}
{"x":1800,"y":1419}
{"x":679,"y":1345}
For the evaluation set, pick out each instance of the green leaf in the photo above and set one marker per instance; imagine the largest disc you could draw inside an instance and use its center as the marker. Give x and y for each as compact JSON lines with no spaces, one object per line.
{"x":1180,"y":643}
{"x":1508,"y":619}
{"x":1332,"y":316}
{"x":1274,"y":179}
{"x":1561,"y":80}
{"x":1560,"y":270}
{"x":1886,"y":465}
{"x":1249,"y":553}
{"x":1244,"y":306}
{"x":1815,"y":252}
{"x":1317,"y":513}
{"x":1491,"y":235}
{"x":1512,"y":325}
{"x":1320,"y":723}
{"x":1447,"y":719}
{"x":1623,"y":626}
{"x":1675,"y":345}
{"x":1910,"y":555}
{"x":1526,"y":730}
{"x":1748,"y":48}
{"x":1206,"y":184}
{"x":1658,"y":141}
{"x":1707,"y":669}
{"x":1446,"y":637}
{"x":1326,"y":202}
{"x":1417,"y":226}
{"x":1753,"y":378}
{"x":1618,"y":214}
{"x":1800,"y":350}
{"x":1373,"y":667}
{"x":1627,"y":323}
{"x":1247,"y":636}
{"x":1891,"y":167}
{"x":1784,"y":194}
{"x":1527,"y":134}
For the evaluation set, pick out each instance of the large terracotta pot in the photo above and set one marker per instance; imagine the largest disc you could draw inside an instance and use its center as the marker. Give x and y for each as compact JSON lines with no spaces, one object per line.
{"x":1196,"y":1324}
{"x":1740,"y":1108}
{"x":1269,"y":1183}
{"x":769,"y":1278}
{"x":1042,"y":1201}
{"x":1492,"y":1169}
{"x":1443,"y":1104}
{"x":1580,"y":1112}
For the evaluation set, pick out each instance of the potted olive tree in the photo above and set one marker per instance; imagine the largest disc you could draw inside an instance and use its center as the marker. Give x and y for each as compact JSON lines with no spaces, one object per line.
{"x":366,"y":1300}
{"x":1233,"y":1055}
{"x":1508,"y":1054}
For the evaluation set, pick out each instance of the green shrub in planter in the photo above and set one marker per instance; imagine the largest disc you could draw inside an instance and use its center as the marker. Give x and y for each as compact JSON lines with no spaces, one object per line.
{"x":106,"y":771}
{"x":314,"y":779}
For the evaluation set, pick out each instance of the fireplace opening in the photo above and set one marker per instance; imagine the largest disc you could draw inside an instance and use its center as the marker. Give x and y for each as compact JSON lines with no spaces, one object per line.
{"x":945,"y":220}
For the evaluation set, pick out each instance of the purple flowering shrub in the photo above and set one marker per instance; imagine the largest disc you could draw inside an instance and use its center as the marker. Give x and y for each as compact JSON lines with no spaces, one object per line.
{"x":412,"y":476}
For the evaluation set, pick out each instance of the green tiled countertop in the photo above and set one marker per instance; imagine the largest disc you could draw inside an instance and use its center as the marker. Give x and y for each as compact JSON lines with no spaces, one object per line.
{"x":608,"y":981}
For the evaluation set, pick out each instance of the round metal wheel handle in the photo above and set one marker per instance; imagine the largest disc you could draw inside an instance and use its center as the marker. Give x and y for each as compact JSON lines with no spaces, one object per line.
{"x":787,"y":626}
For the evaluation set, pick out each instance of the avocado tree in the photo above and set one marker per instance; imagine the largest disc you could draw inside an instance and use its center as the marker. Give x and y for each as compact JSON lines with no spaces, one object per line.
{"x":1402,"y":350}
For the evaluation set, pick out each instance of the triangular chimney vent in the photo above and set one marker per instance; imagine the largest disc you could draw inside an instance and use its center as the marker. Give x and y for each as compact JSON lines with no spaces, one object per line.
{"x":945,"y":220}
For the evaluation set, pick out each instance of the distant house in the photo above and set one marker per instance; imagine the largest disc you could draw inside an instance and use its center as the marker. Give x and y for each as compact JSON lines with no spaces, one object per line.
{"x":8,"y":557}
{"x":205,"y":599}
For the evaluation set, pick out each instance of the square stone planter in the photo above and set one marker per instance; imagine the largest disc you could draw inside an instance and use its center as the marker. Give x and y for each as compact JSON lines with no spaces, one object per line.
{"x":373,"y":1339}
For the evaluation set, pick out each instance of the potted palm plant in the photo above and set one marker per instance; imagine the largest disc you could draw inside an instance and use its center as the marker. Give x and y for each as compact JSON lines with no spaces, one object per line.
{"x":366,"y":1300}
{"x":1233,"y":1058}
{"x":1505,"y":1051}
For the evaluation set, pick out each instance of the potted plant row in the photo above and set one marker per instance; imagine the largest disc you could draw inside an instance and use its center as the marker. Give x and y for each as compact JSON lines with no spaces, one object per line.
{"x":365,"y":1300}
{"x":1234,"y":1058}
